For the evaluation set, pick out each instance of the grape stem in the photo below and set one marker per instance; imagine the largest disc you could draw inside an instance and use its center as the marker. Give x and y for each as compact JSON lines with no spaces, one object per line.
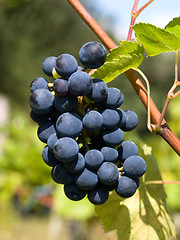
{"x":134,"y":14}
{"x":170,"y":94}
{"x":165,"y":131}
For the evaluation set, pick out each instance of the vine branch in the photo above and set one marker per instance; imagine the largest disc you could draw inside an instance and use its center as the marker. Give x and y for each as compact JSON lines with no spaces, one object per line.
{"x":134,"y":14}
{"x":165,"y":131}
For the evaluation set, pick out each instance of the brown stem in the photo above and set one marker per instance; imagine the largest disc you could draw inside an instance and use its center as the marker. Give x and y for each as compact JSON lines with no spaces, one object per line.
{"x":84,"y":14}
{"x":165,"y":132}
{"x":158,"y":125}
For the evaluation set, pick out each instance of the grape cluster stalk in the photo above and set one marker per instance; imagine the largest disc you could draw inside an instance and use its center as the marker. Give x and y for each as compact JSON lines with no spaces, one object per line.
{"x":80,"y":120}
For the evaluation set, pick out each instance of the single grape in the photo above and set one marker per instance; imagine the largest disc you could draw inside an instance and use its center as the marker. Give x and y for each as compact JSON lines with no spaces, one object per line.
{"x":41,"y":101}
{"x":127,"y":149}
{"x":45,"y":130}
{"x":113,"y":137}
{"x":108,"y":173}
{"x":61,"y":175}
{"x":114,"y":98}
{"x":92,"y":54}
{"x":48,"y":65}
{"x":38,"y":83}
{"x":73,"y":192}
{"x":110,"y":154}
{"x":93,"y":159}
{"x":49,"y":157}
{"x":98,"y":91}
{"x":65,"y":104}
{"x":92,"y":120}
{"x":99,"y":195}
{"x":122,"y":117}
{"x":60,"y":86}
{"x":66,"y":149}
{"x":80,"y":83}
{"x":77,"y":165}
{"x":39,"y":118}
{"x":134,"y":166}
{"x":110,"y":118}
{"x":66,"y":64}
{"x":87,"y":179}
{"x":131,"y":121}
{"x":126,"y":187}
{"x":53,"y":138}
{"x":69,"y":125}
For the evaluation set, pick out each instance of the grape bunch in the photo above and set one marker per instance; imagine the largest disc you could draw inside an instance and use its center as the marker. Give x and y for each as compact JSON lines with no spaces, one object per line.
{"x":81,"y":122}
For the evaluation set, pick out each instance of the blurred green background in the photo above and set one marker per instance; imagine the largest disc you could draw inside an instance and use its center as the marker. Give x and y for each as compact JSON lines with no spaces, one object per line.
{"x":31,"y":205}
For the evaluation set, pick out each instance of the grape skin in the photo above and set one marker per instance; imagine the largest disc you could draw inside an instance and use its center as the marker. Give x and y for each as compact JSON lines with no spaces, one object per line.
{"x":45,"y":130}
{"x":113,"y":137}
{"x":73,"y":192}
{"x":66,"y":149}
{"x":122,"y":117}
{"x":69,"y":125}
{"x":48,"y":65}
{"x":80,"y":83}
{"x":38,"y":83}
{"x":98,"y":91}
{"x":99,"y":195}
{"x":86,"y":180}
{"x":61,"y":175}
{"x":108,"y":173}
{"x":65,"y":104}
{"x":41,"y":101}
{"x":110,"y":118}
{"x":126,"y":187}
{"x":49,"y":157}
{"x":110,"y":154}
{"x":93,"y":159}
{"x":66,"y":64}
{"x":39,"y":118}
{"x":131,"y":121}
{"x":92,"y":54}
{"x":60,"y":86}
{"x":93,"y":120}
{"x":53,"y":138}
{"x":114,"y":98}
{"x":127,"y":149}
{"x":77,"y":165}
{"x":134,"y":166}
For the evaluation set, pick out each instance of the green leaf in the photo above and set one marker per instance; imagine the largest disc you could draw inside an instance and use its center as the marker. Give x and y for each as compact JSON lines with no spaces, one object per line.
{"x":128,"y":55}
{"x":156,"y":40}
{"x":144,"y":215}
{"x":174,"y":26}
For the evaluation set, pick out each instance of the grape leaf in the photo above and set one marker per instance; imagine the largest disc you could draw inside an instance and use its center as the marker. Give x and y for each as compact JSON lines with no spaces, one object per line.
{"x":156,"y":40}
{"x":128,"y":55}
{"x":174,"y":26}
{"x":143,"y":216}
